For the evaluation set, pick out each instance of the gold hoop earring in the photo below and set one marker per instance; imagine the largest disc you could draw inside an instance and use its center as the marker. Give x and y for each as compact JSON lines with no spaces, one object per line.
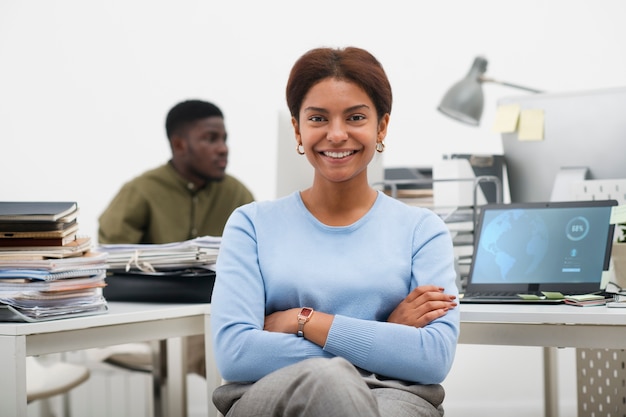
{"x":380,"y":147}
{"x":300,"y":149}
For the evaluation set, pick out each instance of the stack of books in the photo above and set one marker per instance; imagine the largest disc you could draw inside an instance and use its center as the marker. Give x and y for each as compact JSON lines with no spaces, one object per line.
{"x":40,"y":230}
{"x":47,"y":271}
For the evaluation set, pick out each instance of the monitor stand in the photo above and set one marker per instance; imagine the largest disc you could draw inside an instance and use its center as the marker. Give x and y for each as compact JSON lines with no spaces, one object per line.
{"x":562,"y":186}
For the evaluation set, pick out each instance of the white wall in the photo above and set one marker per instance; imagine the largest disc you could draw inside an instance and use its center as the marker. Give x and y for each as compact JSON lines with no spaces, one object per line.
{"x":85,"y":86}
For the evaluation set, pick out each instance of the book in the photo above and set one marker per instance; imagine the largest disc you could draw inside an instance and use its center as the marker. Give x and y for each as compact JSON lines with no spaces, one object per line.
{"x":585,"y":300}
{"x":63,"y":223}
{"x":91,"y":259}
{"x":42,"y":234}
{"x":8,"y":228}
{"x":35,"y":210}
{"x":34,"y":241}
{"x":7,"y":275}
{"x":77,"y":247}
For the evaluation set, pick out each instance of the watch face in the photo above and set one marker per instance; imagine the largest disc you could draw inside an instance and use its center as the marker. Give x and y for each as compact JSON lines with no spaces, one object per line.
{"x":306,"y":312}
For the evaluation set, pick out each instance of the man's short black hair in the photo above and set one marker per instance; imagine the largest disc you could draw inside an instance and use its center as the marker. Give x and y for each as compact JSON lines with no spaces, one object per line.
{"x":189,"y":111}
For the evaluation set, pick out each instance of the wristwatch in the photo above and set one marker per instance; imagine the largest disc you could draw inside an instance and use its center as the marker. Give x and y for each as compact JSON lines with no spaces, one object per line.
{"x":303,"y":317}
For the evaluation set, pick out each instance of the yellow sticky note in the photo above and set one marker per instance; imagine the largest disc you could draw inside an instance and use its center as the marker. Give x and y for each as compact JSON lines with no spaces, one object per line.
{"x":530,"y":297}
{"x":506,"y":118}
{"x":618,"y":214}
{"x":531,"y":124}
{"x":552,"y":295}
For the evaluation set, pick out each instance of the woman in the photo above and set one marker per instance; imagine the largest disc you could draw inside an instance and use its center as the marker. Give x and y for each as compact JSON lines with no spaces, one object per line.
{"x":337,"y":300}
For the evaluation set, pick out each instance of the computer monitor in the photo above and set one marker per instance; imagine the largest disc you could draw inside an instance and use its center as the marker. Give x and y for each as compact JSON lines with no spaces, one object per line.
{"x":584,"y":138}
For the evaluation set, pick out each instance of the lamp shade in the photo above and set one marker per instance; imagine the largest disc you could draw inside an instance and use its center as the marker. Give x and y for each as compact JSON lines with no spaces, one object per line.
{"x":464,"y":100}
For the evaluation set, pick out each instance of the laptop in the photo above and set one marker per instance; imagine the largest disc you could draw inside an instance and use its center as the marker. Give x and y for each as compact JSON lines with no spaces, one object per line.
{"x":524,"y":252}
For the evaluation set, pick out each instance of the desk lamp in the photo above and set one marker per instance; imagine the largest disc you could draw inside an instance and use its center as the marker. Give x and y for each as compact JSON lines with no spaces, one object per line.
{"x":464,"y":100}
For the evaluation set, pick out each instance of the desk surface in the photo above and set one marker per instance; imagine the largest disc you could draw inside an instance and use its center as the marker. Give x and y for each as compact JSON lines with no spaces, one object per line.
{"x":118,"y":313}
{"x":543,"y":325}
{"x":559,"y":314}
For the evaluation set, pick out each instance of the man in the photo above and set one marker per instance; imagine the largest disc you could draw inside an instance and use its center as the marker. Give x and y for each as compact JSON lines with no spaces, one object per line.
{"x":189,"y":196}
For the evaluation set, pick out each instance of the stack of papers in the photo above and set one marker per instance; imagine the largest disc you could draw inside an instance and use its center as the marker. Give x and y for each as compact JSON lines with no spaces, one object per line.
{"x":47,"y":271}
{"x":200,"y":252}
{"x":38,"y":290}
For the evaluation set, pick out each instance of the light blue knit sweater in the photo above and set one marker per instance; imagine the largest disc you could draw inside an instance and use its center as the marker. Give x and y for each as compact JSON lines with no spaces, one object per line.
{"x":276,"y":255}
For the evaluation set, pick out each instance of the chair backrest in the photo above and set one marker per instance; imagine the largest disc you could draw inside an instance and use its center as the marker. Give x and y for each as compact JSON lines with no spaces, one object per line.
{"x":43,"y":381}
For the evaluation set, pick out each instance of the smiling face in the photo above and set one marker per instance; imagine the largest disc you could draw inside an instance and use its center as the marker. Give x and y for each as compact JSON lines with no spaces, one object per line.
{"x":338,"y":130}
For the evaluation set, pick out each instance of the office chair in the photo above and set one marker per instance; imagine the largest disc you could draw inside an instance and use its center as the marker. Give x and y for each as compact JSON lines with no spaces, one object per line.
{"x":129,"y":356}
{"x":46,"y":381}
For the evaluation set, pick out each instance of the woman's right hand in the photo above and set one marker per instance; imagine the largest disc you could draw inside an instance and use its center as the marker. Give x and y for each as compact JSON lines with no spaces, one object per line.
{"x":423,"y":305}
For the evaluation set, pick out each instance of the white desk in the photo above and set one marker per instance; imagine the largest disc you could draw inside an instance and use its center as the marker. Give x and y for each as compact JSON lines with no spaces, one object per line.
{"x":123,"y":323}
{"x":549,"y":326}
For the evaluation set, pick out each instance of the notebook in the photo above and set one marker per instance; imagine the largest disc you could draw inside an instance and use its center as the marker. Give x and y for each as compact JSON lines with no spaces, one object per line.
{"x":524,"y":252}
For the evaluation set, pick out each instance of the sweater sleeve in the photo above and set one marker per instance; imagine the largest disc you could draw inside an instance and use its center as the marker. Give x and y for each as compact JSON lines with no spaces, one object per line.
{"x":242,"y":348}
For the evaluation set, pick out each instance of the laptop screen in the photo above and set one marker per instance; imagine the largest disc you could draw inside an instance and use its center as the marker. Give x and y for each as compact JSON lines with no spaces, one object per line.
{"x":559,"y":246}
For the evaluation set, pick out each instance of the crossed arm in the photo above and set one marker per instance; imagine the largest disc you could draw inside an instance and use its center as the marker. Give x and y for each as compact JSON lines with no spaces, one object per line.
{"x":423,"y":305}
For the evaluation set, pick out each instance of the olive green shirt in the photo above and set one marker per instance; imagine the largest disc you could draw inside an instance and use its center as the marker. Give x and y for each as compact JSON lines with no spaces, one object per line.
{"x":160,"y":206}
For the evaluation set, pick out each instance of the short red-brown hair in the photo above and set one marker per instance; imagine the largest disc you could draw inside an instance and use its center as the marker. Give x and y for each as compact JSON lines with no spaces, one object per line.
{"x":351,"y":64}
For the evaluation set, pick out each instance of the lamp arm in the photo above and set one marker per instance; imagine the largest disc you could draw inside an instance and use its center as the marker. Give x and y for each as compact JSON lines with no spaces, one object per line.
{"x":520,"y":87}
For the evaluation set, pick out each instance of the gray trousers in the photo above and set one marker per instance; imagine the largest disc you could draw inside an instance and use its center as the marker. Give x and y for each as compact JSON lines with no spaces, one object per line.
{"x":326,"y":388}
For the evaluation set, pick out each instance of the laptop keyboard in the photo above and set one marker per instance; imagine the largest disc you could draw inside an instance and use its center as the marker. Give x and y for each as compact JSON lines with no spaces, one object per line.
{"x":494,"y":295}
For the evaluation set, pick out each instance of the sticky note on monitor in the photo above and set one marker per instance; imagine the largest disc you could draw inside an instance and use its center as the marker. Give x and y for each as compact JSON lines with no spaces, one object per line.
{"x":531,"y":123}
{"x":506,"y":118}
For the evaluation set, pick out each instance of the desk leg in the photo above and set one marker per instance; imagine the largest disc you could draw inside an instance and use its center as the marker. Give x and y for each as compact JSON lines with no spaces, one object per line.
{"x":177,"y":377}
{"x":550,"y":381}
{"x":213,"y":378}
{"x":169,"y":377}
{"x":13,"y":376}
{"x":159,"y":377}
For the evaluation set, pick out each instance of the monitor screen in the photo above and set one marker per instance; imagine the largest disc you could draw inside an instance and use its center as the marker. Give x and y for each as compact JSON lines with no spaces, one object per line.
{"x":584,"y":134}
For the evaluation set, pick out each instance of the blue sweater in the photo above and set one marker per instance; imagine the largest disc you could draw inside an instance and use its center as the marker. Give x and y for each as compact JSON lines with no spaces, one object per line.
{"x":276,"y":255}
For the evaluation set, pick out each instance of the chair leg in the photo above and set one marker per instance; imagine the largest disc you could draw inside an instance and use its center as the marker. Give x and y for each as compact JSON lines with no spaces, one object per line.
{"x":45,"y":408}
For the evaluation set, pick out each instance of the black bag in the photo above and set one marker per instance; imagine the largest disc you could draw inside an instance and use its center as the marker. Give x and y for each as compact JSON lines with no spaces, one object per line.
{"x":191,"y":285}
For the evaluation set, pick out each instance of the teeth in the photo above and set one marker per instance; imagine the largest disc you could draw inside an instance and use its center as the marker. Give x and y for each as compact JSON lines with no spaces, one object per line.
{"x":338,"y":155}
